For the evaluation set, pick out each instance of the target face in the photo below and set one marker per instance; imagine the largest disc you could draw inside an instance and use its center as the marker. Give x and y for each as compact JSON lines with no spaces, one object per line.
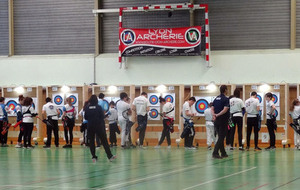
{"x":105,"y":105}
{"x":73,"y":99}
{"x":169,"y":98}
{"x":60,"y":112}
{"x":201,"y":105}
{"x":153,"y":113}
{"x":58,"y":99}
{"x":153,"y":99}
{"x":259,"y":98}
{"x":11,"y":104}
{"x":275,"y":99}
{"x":276,"y":113}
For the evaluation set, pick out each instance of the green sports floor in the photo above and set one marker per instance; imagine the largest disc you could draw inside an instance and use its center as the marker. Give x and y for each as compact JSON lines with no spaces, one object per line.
{"x":149,"y":168}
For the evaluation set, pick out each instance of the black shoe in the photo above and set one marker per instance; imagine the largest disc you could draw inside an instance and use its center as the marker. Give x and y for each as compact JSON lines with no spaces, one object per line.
{"x":69,"y":146}
{"x":57,"y":146}
{"x":65,"y":146}
{"x":247,"y":148}
{"x":268,"y":148}
{"x":46,"y":147}
{"x":257,"y":148}
{"x":231,"y":148}
{"x":224,"y":156}
{"x":216,"y":156}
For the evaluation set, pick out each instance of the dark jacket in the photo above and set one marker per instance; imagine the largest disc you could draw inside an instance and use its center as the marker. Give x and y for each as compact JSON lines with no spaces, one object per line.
{"x":95,"y":117}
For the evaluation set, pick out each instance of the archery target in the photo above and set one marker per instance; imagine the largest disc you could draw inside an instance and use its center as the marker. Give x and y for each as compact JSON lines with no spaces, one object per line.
{"x":74,"y":98}
{"x":11,"y":104}
{"x":153,"y":99}
{"x":58,"y":99}
{"x":154,"y":114}
{"x":259,"y":98}
{"x":60,"y":112}
{"x":169,"y":97}
{"x":105,"y":105}
{"x":201,"y":105}
{"x":277,"y":113}
{"x":275,"y":98}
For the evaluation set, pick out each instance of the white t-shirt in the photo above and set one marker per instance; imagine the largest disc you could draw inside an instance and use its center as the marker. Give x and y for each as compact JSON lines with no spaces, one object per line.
{"x":296,"y":112}
{"x":70,"y":111}
{"x":186,"y":107}
{"x":2,"y":113}
{"x":51,"y":110}
{"x":236,"y":105}
{"x":122,"y":107}
{"x":251,"y":107}
{"x":141,"y":103}
{"x":113,"y":117}
{"x":269,"y":106}
{"x":167,"y":108}
{"x":208,"y":115}
{"x":27,"y":118}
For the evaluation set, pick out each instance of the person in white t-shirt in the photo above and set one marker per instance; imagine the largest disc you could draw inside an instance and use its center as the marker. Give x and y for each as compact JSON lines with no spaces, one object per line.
{"x":168,"y":113}
{"x":69,"y":114}
{"x":28,"y":114}
{"x":188,"y":131}
{"x":271,"y":119}
{"x":51,"y":112}
{"x":237,"y":108}
{"x":252,"y":109}
{"x":295,"y":114}
{"x":113,"y":125}
{"x":141,"y":106}
{"x":210,"y":128}
{"x":123,"y":111}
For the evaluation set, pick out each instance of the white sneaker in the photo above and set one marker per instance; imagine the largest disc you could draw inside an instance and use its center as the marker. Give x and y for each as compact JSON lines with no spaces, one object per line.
{"x":142,"y":147}
{"x":18,"y":146}
{"x":158,"y":146}
{"x":169,"y":147}
{"x":112,"y":158}
{"x":192,"y":148}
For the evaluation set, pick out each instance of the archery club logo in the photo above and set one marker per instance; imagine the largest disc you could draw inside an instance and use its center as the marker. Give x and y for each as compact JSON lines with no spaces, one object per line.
{"x":128,"y":37}
{"x":192,"y":36}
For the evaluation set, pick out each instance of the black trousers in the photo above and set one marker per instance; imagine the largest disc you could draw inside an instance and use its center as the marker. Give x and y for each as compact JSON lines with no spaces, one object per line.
{"x":221,"y":125}
{"x":53,"y":128}
{"x":237,"y":121}
{"x":21,"y":133}
{"x":165,"y":133}
{"x":69,"y":128}
{"x":3,"y":138}
{"x":102,"y":135}
{"x":188,"y":140}
{"x":252,"y":122}
{"x":28,"y":127}
{"x":271,"y":129}
{"x":113,"y":128}
{"x":142,"y":124}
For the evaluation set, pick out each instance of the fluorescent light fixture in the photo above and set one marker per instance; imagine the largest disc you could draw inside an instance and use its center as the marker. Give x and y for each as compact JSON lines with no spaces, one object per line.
{"x":19,"y":89}
{"x":161,"y":88}
{"x":264,"y":87}
{"x":65,"y":89}
{"x":211,"y":87}
{"x":112,"y":89}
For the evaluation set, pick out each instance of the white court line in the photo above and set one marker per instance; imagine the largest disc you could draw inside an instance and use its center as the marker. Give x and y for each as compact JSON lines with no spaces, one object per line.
{"x":146,"y":178}
{"x":219,"y":178}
